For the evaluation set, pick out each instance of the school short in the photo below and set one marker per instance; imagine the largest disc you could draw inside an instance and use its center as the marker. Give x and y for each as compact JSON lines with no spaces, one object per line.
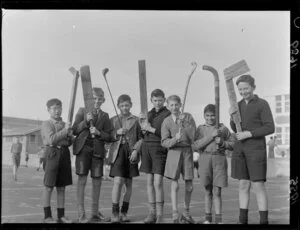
{"x":16,"y":158}
{"x":196,"y":164}
{"x":179,"y":161}
{"x":58,"y":172}
{"x":122,"y":166}
{"x":213,"y":170}
{"x":153,"y":158}
{"x":85,"y":162}
{"x":248,"y":164}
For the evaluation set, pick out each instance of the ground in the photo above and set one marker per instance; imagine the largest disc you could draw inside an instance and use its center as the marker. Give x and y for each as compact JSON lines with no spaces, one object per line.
{"x":22,"y":200}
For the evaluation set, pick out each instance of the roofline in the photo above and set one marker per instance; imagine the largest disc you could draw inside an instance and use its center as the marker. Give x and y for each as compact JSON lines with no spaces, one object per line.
{"x":22,"y":134}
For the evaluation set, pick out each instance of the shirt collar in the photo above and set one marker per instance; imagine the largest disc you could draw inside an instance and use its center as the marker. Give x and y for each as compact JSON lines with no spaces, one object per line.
{"x":161,"y":109}
{"x":128,"y":117}
{"x":254,"y":98}
{"x":55,"y":121}
{"x":174,"y":117}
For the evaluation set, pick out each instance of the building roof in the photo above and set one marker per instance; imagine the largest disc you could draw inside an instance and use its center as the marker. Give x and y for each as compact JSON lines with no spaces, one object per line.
{"x":21,"y":131}
{"x":13,"y":122}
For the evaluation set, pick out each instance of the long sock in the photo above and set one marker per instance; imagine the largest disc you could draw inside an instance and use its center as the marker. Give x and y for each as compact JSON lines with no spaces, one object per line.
{"x":115,"y":208}
{"x":160,"y":208}
{"x":47,"y":212}
{"x":243,"y":216}
{"x":263,"y":217}
{"x":218,"y":218}
{"x":152,"y":208}
{"x":125,"y":207}
{"x":60,"y":212}
{"x":175,"y":214}
{"x":208,"y":217}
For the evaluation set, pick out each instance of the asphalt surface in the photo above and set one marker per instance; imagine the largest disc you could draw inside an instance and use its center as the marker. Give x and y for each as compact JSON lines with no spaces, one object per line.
{"x":22,"y":200}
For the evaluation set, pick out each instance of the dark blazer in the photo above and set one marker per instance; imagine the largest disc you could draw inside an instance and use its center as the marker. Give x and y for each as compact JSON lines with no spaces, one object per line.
{"x":81,"y":131}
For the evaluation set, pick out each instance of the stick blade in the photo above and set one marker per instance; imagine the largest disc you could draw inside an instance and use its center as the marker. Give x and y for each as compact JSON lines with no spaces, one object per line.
{"x":236,"y":69}
{"x":73,"y":70}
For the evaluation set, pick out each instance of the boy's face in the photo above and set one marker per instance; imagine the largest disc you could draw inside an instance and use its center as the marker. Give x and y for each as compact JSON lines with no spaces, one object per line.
{"x":245,"y":90}
{"x":174,"y":106}
{"x":98,"y":100}
{"x":158,"y":102}
{"x":124,"y":107}
{"x":55,"y":111}
{"x":210,"y":118}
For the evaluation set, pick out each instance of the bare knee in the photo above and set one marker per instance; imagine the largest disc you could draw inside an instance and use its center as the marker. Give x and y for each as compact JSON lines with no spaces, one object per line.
{"x":259,"y":186}
{"x":82,"y":180}
{"x":217,"y":191}
{"x":244,"y":185}
{"x":175,"y":186}
{"x":208,"y":191}
{"x":48,"y":189}
{"x":150,"y":180}
{"x":60,"y":189}
{"x":118,"y":181}
{"x":158,"y":182}
{"x":189,"y":186}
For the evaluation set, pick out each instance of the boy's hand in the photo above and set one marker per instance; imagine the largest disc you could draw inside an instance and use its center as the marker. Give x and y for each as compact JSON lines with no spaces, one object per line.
{"x":133,"y":157}
{"x":219,"y":141}
{"x":178,"y":136}
{"x":243,"y":135}
{"x":89,"y":116}
{"x":121,"y":131}
{"x":147,"y":127}
{"x":94,"y":131}
{"x":215,"y":133}
{"x":68,"y":127}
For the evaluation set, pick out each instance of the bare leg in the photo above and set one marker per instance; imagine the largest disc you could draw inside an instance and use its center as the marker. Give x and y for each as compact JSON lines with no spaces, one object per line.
{"x":81,"y":183}
{"x":217,"y":199}
{"x":96,"y":187}
{"x":60,"y":197}
{"x":128,"y":190}
{"x":117,"y":188}
{"x":244,"y":193}
{"x":174,"y":197}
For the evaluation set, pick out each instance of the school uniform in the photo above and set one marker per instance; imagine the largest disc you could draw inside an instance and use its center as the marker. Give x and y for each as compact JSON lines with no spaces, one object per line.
{"x":153,"y":155}
{"x":180,"y":154}
{"x":122,"y":147}
{"x":212,"y":160}
{"x":16,"y":150}
{"x":58,"y":170}
{"x":249,"y":157}
{"x":90,"y":152}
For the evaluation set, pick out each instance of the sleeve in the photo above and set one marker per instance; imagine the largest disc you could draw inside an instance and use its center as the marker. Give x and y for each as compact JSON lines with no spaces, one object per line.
{"x":229,"y":139}
{"x":80,"y":123}
{"x":50,"y":137}
{"x":267,"y":121}
{"x":106,"y":133}
{"x":191,"y":129}
{"x":114,"y":136}
{"x":202,"y":141}
{"x":166,"y":140}
{"x":232,"y":125}
{"x":138,"y":144}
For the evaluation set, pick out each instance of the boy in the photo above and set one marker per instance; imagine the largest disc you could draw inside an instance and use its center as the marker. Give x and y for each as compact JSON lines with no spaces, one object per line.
{"x":42,"y":160}
{"x":123,"y":154}
{"x":177,"y":134}
{"x":154,"y":156}
{"x":16,"y":150}
{"x":57,"y":137}
{"x":249,"y":163}
{"x":90,"y":153}
{"x":211,"y":143}
{"x":26,"y":158}
{"x":196,"y":163}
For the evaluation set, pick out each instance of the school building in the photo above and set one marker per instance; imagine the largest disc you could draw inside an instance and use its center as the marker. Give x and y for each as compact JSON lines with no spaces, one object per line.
{"x":29,"y":133}
{"x":280,"y":106}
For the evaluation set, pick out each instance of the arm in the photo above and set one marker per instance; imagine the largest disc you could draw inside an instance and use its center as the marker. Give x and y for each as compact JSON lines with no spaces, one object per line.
{"x":106,"y":133}
{"x":201,"y":141}
{"x":166,"y":140}
{"x":50,"y":137}
{"x":138,"y":144}
{"x":229,"y":139}
{"x":232,"y":125}
{"x":80,"y":123}
{"x":268,"y":126}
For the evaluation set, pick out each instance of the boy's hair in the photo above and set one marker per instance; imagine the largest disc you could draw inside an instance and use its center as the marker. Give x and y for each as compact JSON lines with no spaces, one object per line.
{"x":174,"y":98}
{"x":123,"y":98}
{"x":53,"y":101}
{"x":98,"y":91}
{"x":210,"y":108}
{"x":246,"y":78}
{"x":157,"y":93}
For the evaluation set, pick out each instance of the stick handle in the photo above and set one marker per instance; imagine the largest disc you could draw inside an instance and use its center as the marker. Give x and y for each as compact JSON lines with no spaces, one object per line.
{"x":194,"y":64}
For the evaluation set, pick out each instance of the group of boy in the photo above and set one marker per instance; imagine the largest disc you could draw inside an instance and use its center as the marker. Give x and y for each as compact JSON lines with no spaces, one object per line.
{"x":164,"y":142}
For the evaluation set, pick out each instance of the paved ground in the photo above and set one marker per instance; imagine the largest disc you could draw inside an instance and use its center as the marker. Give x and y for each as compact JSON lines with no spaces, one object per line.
{"x":22,"y":203}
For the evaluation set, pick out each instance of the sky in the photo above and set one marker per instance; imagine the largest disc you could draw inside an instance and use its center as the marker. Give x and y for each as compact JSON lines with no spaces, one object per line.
{"x":39,"y":46}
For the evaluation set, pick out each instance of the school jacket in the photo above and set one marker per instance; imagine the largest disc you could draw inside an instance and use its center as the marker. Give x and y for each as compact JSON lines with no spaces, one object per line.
{"x":133,"y":136}
{"x":81,"y":131}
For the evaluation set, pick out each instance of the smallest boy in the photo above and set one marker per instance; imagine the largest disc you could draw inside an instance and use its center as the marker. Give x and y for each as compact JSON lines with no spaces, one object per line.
{"x":178,"y":139}
{"x":57,"y":137}
{"x":211,"y":143}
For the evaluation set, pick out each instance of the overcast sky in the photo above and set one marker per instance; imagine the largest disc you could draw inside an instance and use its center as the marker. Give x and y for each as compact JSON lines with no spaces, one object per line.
{"x":38,"y":48}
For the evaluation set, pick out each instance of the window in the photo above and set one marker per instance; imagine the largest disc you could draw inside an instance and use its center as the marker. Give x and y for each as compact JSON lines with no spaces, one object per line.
{"x":287,"y":103}
{"x":279,"y":135}
{"x":278,"y":104}
{"x":287,"y":135}
{"x":32,"y":138}
{"x":9,"y":139}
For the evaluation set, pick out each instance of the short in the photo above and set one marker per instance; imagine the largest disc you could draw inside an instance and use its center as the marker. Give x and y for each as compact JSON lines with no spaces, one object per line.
{"x":213,"y":170}
{"x":248,"y":164}
{"x":153,"y":158}
{"x":122,"y":166}
{"x":85,"y":162}
{"x":196,"y":165}
{"x":26,"y":158}
{"x":58,"y":172}
{"x":180,"y":161}
{"x":16,"y":158}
